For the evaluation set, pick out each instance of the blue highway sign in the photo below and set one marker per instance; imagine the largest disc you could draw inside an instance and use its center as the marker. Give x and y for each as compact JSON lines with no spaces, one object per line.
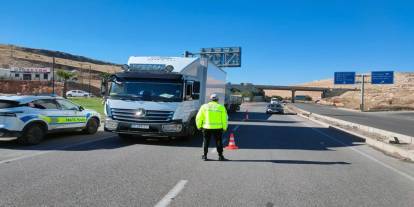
{"x":344,"y":78}
{"x":223,"y":56}
{"x":382,"y":77}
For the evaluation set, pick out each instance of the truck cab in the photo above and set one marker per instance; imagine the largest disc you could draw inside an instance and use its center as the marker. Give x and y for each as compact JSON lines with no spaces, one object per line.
{"x":159,"y":97}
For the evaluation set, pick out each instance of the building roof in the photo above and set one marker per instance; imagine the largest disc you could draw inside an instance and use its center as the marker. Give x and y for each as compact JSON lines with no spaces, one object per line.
{"x":24,"y":99}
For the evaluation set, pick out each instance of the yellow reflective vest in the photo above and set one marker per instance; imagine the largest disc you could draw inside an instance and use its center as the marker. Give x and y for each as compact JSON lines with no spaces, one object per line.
{"x":212,"y":116}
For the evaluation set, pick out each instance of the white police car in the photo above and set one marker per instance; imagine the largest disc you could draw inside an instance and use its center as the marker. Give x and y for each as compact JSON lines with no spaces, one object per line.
{"x":30,"y":118}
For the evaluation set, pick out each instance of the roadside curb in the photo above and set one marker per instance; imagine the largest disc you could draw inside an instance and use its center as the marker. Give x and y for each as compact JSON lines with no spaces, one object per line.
{"x":383,"y":146}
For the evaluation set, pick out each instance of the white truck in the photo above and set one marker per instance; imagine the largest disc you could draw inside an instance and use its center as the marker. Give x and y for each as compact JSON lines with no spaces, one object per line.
{"x":232,"y":102}
{"x":160,"y":96}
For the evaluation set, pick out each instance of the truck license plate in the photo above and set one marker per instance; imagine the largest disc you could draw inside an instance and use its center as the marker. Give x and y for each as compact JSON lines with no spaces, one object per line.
{"x":139,"y":126}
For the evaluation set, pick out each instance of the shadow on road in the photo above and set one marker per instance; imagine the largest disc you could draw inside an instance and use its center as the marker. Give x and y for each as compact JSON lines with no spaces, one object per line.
{"x":269,"y":121}
{"x":254,"y":135}
{"x":252,"y":115}
{"x":299,"y":162}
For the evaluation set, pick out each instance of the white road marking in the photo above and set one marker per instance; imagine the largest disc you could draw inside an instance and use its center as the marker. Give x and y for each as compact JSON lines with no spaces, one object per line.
{"x":166,"y":200}
{"x":60,"y":148}
{"x":411,"y":178}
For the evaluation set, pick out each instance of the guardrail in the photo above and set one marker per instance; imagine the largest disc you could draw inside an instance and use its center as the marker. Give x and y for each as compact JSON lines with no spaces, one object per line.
{"x":359,"y":130}
{"x":389,"y":135}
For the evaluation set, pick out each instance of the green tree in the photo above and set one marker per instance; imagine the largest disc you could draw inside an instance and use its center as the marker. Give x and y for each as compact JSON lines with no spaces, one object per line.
{"x":65,"y":75}
{"x":105,"y":76}
{"x":247,"y":94}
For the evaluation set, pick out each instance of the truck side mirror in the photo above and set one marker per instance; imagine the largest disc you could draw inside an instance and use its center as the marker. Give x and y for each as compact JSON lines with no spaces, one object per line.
{"x":192,"y":90}
{"x":188,"y":90}
{"x":195,"y":96}
{"x":196,"y":87}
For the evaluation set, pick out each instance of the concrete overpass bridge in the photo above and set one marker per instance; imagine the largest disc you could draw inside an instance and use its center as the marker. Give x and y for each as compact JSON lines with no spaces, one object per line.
{"x":326,"y":92}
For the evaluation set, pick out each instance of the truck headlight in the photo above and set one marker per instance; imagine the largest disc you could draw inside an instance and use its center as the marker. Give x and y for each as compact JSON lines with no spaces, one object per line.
{"x":172,"y":127}
{"x":111,"y":124}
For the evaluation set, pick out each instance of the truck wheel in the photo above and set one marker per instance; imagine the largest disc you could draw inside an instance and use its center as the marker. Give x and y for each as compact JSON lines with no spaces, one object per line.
{"x":32,"y":134}
{"x":69,"y":95}
{"x":91,"y":126}
{"x":191,"y":130}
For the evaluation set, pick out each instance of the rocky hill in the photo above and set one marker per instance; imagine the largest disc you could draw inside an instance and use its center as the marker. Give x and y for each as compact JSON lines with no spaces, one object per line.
{"x":15,"y":56}
{"x":398,"y":96}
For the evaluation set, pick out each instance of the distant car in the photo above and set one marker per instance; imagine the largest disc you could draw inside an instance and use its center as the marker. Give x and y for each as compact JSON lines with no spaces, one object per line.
{"x":77,"y":93}
{"x":274,"y":108}
{"x":274,"y":101}
{"x":30,"y":118}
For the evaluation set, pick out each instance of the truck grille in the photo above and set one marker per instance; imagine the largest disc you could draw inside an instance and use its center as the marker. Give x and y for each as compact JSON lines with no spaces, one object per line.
{"x":128,"y":115}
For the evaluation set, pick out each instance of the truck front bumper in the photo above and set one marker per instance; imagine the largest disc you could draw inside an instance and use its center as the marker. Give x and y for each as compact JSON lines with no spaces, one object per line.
{"x":173,"y":128}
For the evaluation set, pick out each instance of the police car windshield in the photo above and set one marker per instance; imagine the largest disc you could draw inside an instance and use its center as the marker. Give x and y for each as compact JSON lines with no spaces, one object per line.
{"x":4,"y":104}
{"x":147,"y":91}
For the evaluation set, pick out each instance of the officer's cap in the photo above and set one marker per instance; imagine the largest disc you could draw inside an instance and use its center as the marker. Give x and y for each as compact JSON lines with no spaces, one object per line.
{"x":214,"y":97}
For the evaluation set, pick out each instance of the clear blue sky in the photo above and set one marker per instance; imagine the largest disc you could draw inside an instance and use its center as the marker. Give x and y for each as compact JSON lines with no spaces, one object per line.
{"x":284,"y":42}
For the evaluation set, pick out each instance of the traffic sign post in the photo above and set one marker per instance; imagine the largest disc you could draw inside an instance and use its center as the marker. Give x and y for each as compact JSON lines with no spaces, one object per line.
{"x":382,"y":77}
{"x":377,"y":77}
{"x":344,"y":78}
{"x":223,"y":56}
{"x":362,"y":105}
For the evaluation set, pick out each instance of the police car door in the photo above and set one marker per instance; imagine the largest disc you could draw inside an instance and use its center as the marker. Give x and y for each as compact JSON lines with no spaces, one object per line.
{"x":49,"y":112}
{"x":74,"y":118}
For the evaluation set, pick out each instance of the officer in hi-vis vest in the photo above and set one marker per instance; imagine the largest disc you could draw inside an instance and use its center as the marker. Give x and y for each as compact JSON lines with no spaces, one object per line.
{"x":212,"y":120}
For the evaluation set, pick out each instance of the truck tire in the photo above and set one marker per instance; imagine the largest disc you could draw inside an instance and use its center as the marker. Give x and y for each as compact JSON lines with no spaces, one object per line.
{"x":32,"y":134}
{"x":191,"y":130}
{"x":91,"y":126}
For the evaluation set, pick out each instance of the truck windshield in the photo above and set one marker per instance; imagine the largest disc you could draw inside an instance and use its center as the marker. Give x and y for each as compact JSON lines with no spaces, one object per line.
{"x":147,"y":91}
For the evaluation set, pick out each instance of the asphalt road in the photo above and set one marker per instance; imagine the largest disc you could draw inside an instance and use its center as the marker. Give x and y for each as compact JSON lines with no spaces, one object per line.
{"x":283,"y":160}
{"x":400,"y":122}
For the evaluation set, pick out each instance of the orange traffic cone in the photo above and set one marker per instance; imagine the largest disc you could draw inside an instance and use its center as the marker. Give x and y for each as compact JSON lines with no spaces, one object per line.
{"x":232,"y":143}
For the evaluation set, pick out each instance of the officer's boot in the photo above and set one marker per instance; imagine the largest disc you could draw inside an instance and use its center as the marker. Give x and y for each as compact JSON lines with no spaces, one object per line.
{"x":204,"y":157}
{"x":222,"y":158}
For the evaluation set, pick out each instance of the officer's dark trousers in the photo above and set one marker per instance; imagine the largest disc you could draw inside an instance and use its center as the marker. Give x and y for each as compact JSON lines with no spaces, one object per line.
{"x":216,"y":133}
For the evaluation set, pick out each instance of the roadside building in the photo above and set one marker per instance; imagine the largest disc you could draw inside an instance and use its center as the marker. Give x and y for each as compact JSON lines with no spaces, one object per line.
{"x":19,"y":73}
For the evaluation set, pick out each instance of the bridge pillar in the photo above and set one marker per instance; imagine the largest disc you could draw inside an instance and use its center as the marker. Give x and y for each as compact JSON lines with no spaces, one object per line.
{"x":323,"y":95}
{"x":293,"y":96}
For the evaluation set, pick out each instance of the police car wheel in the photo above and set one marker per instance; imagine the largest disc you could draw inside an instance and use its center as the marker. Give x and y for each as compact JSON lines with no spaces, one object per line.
{"x":32,"y":134}
{"x":91,"y":126}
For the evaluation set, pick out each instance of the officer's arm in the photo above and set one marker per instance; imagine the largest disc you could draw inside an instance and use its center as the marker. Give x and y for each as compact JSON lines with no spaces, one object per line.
{"x":224,"y":119}
{"x":200,"y":118}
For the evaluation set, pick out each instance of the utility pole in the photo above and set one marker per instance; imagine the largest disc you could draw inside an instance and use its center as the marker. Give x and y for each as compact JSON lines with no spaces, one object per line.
{"x":362,"y":106}
{"x":53,"y":75}
{"x":89,"y":90}
{"x":81,"y":76}
{"x":11,"y":50}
